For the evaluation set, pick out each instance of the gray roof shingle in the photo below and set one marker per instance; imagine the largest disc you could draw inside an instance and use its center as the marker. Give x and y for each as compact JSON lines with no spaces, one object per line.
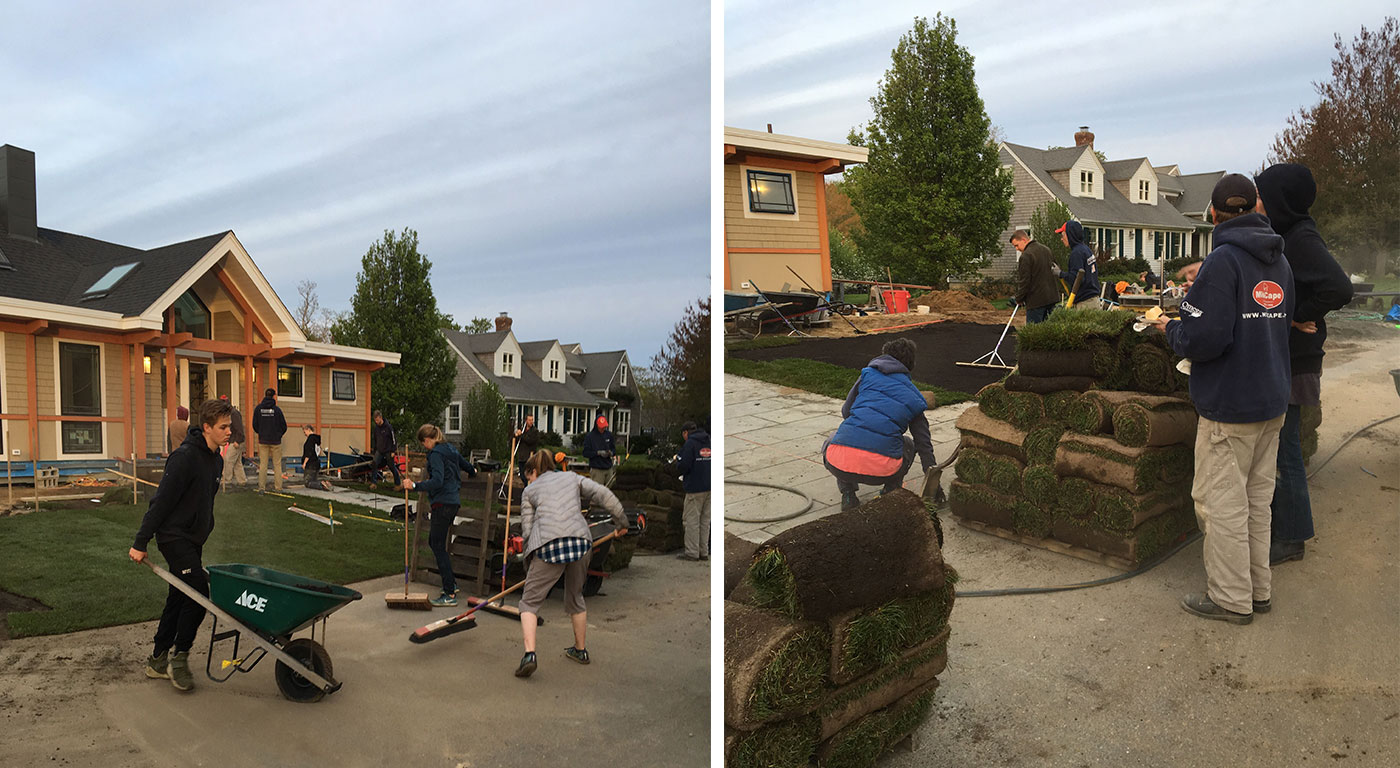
{"x":529,"y":387}
{"x":1113,"y":209}
{"x":1196,"y":197}
{"x":600,"y":368}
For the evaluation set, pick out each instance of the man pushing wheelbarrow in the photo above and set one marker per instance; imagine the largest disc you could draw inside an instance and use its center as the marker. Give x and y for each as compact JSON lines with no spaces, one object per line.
{"x":181,"y":517}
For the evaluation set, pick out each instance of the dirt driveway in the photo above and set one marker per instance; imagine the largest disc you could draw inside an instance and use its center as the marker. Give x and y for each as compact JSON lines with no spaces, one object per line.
{"x":81,"y":699}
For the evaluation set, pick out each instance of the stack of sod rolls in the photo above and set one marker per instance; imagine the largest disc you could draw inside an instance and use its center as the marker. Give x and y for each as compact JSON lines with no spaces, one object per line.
{"x":834,"y":636}
{"x":1067,"y":448}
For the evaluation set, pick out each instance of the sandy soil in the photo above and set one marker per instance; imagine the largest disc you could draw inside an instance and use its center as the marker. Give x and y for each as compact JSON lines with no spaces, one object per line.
{"x":82,"y":700}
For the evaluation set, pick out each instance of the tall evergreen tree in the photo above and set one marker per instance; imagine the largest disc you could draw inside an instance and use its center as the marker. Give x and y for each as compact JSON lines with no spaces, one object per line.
{"x":394,"y":309}
{"x":933,"y":198}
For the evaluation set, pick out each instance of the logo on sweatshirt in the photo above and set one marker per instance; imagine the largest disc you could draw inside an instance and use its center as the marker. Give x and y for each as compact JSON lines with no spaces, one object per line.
{"x":704,"y":453}
{"x":1268,"y":294}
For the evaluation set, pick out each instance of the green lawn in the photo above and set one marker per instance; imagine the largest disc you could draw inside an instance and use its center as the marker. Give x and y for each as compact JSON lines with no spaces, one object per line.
{"x":75,"y":561}
{"x":763,"y":342}
{"x":821,"y":378}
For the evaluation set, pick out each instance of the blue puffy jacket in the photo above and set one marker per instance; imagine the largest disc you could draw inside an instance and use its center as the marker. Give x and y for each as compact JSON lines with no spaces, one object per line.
{"x":880,"y":407}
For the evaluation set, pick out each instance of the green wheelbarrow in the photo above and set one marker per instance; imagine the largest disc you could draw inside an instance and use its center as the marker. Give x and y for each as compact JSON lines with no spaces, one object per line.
{"x":266,"y":607}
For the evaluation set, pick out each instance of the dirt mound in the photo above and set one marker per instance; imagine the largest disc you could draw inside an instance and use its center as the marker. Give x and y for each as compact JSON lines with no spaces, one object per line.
{"x":950,"y":301}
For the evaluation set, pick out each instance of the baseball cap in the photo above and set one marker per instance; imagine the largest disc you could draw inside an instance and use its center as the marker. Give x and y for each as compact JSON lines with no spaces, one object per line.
{"x":1234,"y":193}
{"x":1061,"y":230}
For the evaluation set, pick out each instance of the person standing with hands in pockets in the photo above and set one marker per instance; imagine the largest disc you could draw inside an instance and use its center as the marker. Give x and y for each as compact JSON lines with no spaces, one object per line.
{"x":599,"y":447}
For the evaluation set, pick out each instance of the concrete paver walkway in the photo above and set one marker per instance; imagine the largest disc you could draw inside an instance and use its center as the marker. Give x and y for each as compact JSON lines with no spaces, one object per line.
{"x":774,"y":434}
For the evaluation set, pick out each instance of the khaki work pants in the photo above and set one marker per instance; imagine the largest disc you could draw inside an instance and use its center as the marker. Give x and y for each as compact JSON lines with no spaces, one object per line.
{"x":603,"y":477}
{"x":275,"y":452}
{"x":233,"y":465}
{"x":1090,"y":303}
{"x":697,"y":524}
{"x":1234,"y":485}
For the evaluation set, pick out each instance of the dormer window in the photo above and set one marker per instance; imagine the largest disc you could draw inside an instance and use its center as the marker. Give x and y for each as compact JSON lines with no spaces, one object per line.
{"x":1086,"y":182}
{"x":191,"y":316}
{"x":507,"y":363}
{"x":554,"y":370}
{"x":1144,"y":191}
{"x":622,"y":377}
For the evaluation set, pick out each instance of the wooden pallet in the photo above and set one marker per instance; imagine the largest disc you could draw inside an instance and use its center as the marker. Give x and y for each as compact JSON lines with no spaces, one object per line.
{"x":475,"y":541}
{"x":1052,"y":545}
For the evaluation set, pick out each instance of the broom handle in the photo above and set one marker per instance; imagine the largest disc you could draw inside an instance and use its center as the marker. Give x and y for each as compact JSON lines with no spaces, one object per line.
{"x":405,"y":543}
{"x":510,"y":486}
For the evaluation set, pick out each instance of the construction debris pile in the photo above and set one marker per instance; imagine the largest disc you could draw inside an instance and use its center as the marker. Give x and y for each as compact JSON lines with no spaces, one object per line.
{"x":834,"y":632}
{"x":1089,"y":442}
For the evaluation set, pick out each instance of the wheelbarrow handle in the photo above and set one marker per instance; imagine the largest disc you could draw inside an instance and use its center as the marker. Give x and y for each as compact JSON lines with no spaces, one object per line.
{"x":329,"y":686}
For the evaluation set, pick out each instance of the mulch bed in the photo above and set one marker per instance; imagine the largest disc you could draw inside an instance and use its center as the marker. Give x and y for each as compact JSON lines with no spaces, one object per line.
{"x":941,"y":346}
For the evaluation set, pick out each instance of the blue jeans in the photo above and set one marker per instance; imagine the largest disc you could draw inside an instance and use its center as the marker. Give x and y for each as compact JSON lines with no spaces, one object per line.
{"x":1038,"y":314}
{"x":440,"y":519}
{"x":1292,"y":510}
{"x":850,"y":482}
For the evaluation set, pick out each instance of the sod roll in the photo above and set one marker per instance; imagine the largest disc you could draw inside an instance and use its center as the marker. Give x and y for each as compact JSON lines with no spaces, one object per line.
{"x":1118,"y":510}
{"x":1153,"y":369}
{"x":1042,"y":486}
{"x":1057,"y":405}
{"x":972,"y":465}
{"x":1047,"y":363}
{"x":993,"y":402}
{"x":1104,"y":460}
{"x":1137,"y":425}
{"x":884,"y":686}
{"x":985,"y":433}
{"x":885,"y":549}
{"x":1139,"y":545}
{"x":774,"y":668}
{"x":1041,"y":443}
{"x":1004,"y":475}
{"x":790,"y":744}
{"x":868,"y":638}
{"x":1012,"y":513}
{"x":1042,"y":385}
{"x":1087,"y":415}
{"x":1069,"y":330}
{"x":862,"y":743}
{"x":1026,"y":410}
{"x":1076,"y":503}
{"x":738,"y":556}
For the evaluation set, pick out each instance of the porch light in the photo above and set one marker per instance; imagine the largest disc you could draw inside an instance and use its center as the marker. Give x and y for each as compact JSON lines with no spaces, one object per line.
{"x":146,"y":363}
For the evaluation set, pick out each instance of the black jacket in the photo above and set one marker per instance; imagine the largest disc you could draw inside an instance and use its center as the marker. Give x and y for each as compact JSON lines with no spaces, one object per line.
{"x":529,"y":441}
{"x":269,"y":422}
{"x":1081,"y":257}
{"x":183,"y":505}
{"x":384,"y":438}
{"x":238,"y":435}
{"x":1035,"y":277}
{"x":599,"y":440}
{"x":694,"y":462}
{"x":1320,"y":285}
{"x":311,"y":450}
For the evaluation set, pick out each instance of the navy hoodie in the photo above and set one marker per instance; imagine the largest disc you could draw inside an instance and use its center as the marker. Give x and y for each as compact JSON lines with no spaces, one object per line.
{"x":182,"y":508}
{"x":694,"y":462}
{"x":1320,"y":285}
{"x":444,"y":482}
{"x":880,"y":407}
{"x":1081,"y":257}
{"x":269,"y":422}
{"x":1234,"y":325}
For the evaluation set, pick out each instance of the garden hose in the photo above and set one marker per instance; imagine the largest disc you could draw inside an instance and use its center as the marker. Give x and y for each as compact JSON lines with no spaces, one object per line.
{"x":1344,"y":442}
{"x":1084,"y":584}
{"x":765,"y":520}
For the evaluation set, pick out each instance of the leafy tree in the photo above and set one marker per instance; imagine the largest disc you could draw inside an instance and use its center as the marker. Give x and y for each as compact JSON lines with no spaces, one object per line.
{"x":678,"y":385}
{"x":394,"y":309}
{"x":486,"y":423}
{"x":933,"y":199}
{"x":1350,"y":139}
{"x":1044,"y":221}
{"x":478,"y":325}
{"x":840,"y":214}
{"x":846,"y":258}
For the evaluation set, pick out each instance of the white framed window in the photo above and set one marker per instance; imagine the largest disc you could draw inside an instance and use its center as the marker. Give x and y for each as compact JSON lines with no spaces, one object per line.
{"x":623,"y":417}
{"x":622,"y":375}
{"x":554,"y":370}
{"x":769,"y":193}
{"x":291,"y":383}
{"x":4,"y":397}
{"x":1086,"y":182}
{"x":78,"y":367}
{"x":454,"y":419}
{"x":1144,"y":190}
{"x":507,"y":362}
{"x":343,"y":387}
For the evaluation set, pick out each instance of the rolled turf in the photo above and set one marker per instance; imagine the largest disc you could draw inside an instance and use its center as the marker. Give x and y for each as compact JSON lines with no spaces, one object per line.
{"x":1138,"y":425}
{"x":1012,"y":513}
{"x":1087,"y":415}
{"x":1141,"y":544}
{"x":1042,"y":486}
{"x":774,"y":668}
{"x":861,"y":744}
{"x":884,"y":686}
{"x":972,"y":465}
{"x":1153,"y":369}
{"x":738,"y":557}
{"x":1104,"y":460}
{"x":1041,"y":443}
{"x":985,"y":433}
{"x":790,"y":744}
{"x":866,"y":639}
{"x":1044,"y":385}
{"x":1057,"y":406}
{"x":829,"y":566}
{"x":1025,"y":410}
{"x":1076,"y":500}
{"x":1004,"y":475}
{"x":1069,"y":330}
{"x":1117,"y":510}
{"x":993,"y":401}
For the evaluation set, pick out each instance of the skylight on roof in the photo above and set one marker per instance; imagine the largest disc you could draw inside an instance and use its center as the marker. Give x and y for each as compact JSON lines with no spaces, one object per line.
{"x":113,"y":276}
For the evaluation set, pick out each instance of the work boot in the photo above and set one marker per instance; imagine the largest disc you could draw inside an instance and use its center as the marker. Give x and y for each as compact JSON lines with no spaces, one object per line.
{"x":180,"y":676}
{"x":1284,"y":551}
{"x":1263,"y":606}
{"x":1201,"y":605}
{"x":849,"y":501}
{"x":527,"y":665}
{"x":158,"y":667}
{"x":577,"y":654}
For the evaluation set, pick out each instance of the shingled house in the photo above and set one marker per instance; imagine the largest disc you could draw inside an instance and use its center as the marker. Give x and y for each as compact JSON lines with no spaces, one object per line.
{"x":99,"y":342}
{"x":1129,"y":208}
{"x":562,"y":386}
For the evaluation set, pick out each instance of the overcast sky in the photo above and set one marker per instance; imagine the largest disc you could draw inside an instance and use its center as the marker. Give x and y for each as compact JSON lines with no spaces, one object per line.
{"x":553,"y":157}
{"x":1203,"y":84}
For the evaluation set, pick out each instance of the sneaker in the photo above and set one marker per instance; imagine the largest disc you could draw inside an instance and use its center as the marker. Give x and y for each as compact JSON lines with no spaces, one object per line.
{"x":1263,"y":606}
{"x":180,"y":676}
{"x":849,"y":502}
{"x":158,"y":667}
{"x":577,"y":654}
{"x":1284,"y":551}
{"x":691,"y":558}
{"x":444,"y":600}
{"x":527,"y":665}
{"x":1201,"y":605}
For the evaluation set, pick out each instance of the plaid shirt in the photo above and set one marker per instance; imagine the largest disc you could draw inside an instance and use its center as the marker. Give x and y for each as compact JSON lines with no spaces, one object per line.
{"x":565,"y":550}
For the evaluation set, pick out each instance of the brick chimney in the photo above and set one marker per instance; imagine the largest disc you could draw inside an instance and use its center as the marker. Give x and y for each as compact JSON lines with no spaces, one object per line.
{"x":18,"y":210}
{"x":1083,"y":137}
{"x":503,"y":322}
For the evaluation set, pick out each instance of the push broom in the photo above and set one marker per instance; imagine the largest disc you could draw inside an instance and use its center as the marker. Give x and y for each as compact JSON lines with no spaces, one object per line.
{"x":464,"y":621}
{"x":417,"y":601}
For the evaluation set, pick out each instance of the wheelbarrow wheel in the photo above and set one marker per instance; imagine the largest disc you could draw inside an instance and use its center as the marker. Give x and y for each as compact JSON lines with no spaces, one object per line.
{"x":293,"y":685}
